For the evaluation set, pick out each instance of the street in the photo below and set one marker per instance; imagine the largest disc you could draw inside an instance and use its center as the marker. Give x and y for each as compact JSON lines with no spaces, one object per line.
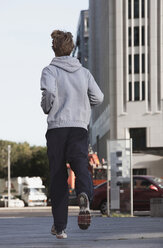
{"x":138,"y":232}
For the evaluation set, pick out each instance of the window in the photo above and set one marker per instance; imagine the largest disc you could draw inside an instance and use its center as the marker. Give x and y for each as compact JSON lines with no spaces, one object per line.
{"x":129,"y":9}
{"x":143,"y":63}
{"x":136,"y":63}
{"x":136,"y":36}
{"x":136,"y":8}
{"x":142,"y":171}
{"x":130,"y":91}
{"x":143,"y":36}
{"x":138,"y":136}
{"x":135,"y":95}
{"x":26,"y":190}
{"x":142,"y":9}
{"x":86,"y":45}
{"x":149,"y":92}
{"x":141,"y":183}
{"x":130,"y":64}
{"x":143,"y":91}
{"x":86,"y":24}
{"x":136,"y":91}
{"x":129,"y":36}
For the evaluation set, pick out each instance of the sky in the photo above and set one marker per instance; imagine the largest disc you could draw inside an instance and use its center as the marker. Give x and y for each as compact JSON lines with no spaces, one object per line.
{"x":25,"y":49}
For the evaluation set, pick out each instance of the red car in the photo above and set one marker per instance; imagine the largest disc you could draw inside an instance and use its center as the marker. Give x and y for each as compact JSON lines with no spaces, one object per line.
{"x":144,"y":188}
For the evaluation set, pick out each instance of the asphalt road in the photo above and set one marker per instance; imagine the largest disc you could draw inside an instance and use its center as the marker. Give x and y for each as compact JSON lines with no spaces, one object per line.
{"x":135,"y":232}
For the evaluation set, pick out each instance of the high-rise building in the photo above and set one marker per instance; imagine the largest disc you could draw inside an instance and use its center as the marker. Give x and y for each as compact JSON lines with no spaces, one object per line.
{"x":126,"y":59}
{"x":81,"y":44}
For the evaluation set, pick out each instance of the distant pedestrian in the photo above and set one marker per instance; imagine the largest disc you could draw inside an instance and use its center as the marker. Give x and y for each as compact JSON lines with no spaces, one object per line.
{"x":68,"y":93}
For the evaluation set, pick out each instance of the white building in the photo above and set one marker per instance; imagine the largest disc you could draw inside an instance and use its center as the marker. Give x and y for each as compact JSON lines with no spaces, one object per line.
{"x":126,"y":59}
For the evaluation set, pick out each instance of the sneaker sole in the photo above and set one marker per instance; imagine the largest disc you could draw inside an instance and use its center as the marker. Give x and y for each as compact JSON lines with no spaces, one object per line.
{"x":84,"y":217}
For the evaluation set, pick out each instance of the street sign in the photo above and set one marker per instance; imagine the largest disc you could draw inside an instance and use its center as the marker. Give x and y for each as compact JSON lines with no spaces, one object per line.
{"x":119,"y":157}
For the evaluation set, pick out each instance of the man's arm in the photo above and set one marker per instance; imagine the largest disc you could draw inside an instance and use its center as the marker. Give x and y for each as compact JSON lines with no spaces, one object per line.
{"x":94,"y":93}
{"x":48,"y":87}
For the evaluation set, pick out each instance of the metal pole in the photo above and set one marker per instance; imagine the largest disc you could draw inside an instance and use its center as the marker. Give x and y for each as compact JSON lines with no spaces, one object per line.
{"x":9,"y":177}
{"x":131,"y":175}
{"x":108,"y":177}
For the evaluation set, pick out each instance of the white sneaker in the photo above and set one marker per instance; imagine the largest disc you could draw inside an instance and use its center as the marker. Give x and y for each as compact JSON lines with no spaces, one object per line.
{"x":61,"y":235}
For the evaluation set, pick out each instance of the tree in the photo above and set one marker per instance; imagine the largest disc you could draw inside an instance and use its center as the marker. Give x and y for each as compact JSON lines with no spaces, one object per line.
{"x":26,"y":160}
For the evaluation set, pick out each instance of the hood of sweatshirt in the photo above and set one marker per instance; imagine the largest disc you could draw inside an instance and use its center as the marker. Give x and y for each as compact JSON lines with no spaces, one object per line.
{"x":66,"y":63}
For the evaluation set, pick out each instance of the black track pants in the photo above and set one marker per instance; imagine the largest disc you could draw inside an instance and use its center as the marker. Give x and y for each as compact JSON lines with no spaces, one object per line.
{"x":67,"y":145}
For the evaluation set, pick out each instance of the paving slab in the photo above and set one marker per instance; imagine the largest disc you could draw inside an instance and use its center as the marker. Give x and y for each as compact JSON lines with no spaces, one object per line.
{"x":27,"y":232}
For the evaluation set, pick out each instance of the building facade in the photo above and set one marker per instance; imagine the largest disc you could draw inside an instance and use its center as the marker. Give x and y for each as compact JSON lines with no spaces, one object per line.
{"x":126,"y":59}
{"x":81,"y":44}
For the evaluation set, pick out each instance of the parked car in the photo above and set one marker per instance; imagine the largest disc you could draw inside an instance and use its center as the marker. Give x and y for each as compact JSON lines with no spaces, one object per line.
{"x":144,"y":188}
{"x":14,"y":202}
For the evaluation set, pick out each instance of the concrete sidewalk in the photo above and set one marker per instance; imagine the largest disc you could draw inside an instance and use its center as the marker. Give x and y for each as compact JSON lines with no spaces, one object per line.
{"x":38,"y":211}
{"x":138,"y":232}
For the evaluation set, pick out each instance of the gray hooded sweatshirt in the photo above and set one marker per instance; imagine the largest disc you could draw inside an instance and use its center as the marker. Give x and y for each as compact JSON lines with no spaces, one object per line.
{"x":69,"y":92}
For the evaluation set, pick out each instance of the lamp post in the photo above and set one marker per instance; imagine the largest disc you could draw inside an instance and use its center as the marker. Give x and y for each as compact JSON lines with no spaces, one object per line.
{"x":9,"y":176}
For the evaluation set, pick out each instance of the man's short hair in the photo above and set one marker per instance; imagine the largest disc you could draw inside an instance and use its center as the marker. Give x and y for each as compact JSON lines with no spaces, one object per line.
{"x":62,"y":43}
